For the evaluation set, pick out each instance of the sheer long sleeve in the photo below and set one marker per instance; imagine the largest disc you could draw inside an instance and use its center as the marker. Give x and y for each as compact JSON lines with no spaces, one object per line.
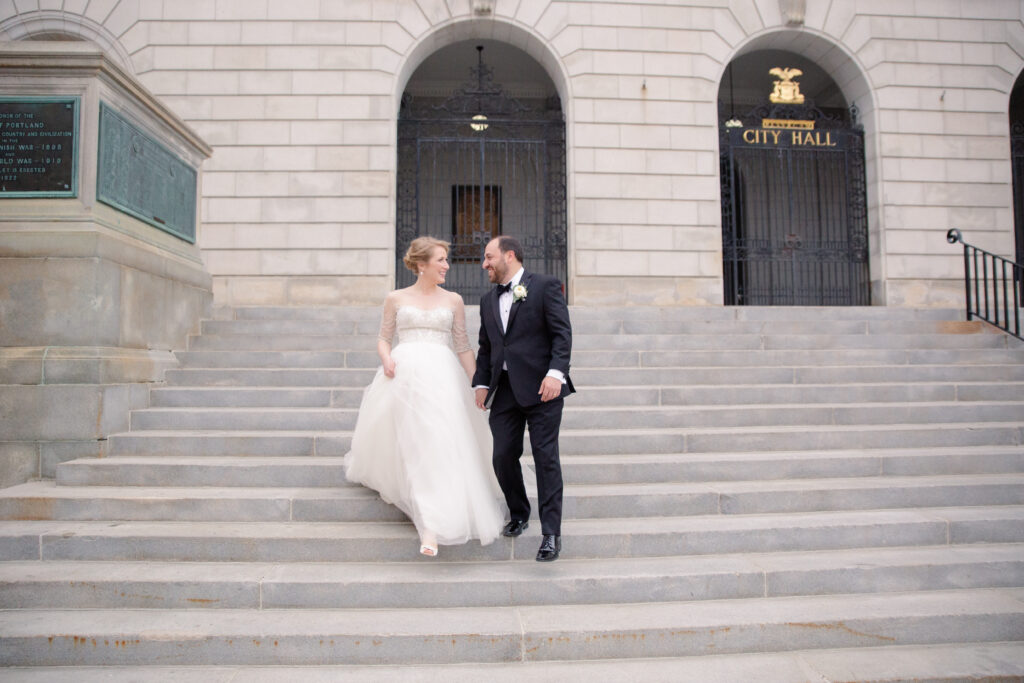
{"x":460,"y":339}
{"x":388,"y":321}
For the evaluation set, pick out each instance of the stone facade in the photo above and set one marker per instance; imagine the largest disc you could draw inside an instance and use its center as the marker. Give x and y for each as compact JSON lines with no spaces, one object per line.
{"x":299,"y":101}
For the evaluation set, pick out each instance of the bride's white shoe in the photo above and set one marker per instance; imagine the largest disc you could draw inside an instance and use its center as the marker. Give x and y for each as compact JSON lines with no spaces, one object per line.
{"x":428,"y":546}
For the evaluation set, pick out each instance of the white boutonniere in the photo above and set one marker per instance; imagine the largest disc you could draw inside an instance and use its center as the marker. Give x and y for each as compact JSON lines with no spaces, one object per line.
{"x":518,"y":293}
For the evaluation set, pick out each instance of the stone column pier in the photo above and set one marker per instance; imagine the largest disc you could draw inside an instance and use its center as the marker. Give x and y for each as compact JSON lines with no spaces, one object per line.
{"x":100,"y":276}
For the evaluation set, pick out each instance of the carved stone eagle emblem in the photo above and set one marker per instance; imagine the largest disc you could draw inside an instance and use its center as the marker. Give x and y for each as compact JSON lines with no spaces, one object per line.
{"x":786,"y":91}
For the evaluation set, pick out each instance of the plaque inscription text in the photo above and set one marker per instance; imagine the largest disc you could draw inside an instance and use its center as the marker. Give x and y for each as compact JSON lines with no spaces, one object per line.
{"x":37,"y":146}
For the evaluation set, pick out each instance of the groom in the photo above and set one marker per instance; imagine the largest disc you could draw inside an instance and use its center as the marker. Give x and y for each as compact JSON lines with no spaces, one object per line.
{"x":522,"y":374}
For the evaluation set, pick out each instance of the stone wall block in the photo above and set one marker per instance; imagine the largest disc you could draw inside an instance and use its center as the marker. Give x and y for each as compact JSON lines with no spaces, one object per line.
{"x":120,"y":17}
{"x":103,"y":365}
{"x":267,"y":33}
{"x":647,"y":291}
{"x":58,"y":301}
{"x":214,"y":32}
{"x":19,"y":462}
{"x":21,"y":365}
{"x":59,"y":412}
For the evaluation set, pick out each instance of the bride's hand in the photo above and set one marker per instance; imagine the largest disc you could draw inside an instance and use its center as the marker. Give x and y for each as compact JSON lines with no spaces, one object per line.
{"x":389,"y":368}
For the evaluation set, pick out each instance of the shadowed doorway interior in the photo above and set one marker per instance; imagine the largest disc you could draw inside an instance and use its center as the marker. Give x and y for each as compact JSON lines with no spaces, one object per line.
{"x":478,"y":158}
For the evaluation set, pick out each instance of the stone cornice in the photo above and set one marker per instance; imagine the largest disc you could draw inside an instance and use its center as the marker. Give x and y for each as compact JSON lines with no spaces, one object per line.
{"x":77,"y":59}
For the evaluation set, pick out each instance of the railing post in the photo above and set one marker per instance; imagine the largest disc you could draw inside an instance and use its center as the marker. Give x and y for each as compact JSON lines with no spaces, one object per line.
{"x":953,"y":236}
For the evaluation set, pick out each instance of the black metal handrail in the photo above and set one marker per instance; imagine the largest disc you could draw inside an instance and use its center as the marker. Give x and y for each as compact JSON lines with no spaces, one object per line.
{"x":991,"y":292}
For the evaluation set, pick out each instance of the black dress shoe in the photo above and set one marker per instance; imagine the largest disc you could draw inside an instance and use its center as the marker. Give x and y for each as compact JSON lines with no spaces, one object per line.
{"x":550,"y":546}
{"x":514,"y":528}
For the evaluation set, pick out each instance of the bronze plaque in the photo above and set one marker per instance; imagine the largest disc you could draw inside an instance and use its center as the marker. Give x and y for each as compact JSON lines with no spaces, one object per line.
{"x":38,"y":146}
{"x":139,"y":176}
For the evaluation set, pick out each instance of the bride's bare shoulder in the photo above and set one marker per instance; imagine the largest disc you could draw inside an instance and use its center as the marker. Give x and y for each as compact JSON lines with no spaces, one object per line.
{"x":397,"y":296}
{"x":454,"y":299}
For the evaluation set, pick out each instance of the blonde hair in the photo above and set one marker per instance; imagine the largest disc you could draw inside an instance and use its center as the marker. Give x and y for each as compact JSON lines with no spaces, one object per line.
{"x":420,"y":250}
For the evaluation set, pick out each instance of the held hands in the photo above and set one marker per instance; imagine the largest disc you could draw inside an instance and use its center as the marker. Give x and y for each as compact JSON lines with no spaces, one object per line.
{"x":389,"y":368}
{"x":481,"y":396}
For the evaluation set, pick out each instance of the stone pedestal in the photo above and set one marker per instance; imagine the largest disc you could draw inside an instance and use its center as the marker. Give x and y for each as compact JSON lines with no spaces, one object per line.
{"x":93,"y":298}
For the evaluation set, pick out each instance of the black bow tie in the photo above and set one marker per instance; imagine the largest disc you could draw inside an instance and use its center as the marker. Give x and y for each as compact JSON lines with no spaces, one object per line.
{"x":504,"y":288}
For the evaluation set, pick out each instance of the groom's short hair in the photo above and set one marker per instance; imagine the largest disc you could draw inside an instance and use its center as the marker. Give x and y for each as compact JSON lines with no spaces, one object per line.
{"x":506,"y":244}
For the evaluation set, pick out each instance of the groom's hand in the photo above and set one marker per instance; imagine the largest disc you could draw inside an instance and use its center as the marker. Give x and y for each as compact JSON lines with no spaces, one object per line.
{"x":481,"y":396}
{"x":550,"y":389}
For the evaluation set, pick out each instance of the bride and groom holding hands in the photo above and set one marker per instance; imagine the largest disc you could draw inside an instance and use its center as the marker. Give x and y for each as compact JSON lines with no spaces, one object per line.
{"x":421,"y":440}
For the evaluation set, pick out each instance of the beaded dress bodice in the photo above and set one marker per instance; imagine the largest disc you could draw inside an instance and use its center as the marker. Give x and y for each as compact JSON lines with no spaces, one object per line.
{"x":432,"y":326}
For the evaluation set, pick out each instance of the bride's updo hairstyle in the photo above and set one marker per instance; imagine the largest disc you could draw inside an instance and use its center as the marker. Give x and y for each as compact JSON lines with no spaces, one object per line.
{"x":420,"y":250}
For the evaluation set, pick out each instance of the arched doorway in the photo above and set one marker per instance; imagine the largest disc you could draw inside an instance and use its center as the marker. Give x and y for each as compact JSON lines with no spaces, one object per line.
{"x":1017,"y":159}
{"x":482,"y":158}
{"x":794,"y":200}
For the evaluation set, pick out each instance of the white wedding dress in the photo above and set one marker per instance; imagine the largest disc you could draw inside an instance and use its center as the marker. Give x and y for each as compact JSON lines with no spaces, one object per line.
{"x":420,"y":440}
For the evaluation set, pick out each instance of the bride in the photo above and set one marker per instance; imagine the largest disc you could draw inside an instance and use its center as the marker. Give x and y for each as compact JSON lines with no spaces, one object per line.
{"x":419,"y":439}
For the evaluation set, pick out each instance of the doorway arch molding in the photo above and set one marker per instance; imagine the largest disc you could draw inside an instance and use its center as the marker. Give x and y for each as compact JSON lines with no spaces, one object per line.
{"x":852,"y":78}
{"x":67,"y":23}
{"x":519,"y":36}
{"x":459,"y":30}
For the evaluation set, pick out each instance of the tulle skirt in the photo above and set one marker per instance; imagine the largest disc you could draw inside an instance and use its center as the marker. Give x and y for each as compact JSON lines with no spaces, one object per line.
{"x":421,"y":442}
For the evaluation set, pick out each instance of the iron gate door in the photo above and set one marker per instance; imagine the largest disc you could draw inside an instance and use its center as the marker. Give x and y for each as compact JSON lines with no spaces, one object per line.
{"x":794,"y":217}
{"x":476,"y":165}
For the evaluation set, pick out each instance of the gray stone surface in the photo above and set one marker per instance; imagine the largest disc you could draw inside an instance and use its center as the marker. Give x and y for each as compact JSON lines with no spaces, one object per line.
{"x":783,"y":505}
{"x":19,"y":462}
{"x":696,"y":628}
{"x":53,"y":453}
{"x":60,"y":302}
{"x":298,"y":585}
{"x":502,"y":634}
{"x":57,"y":412}
{"x":894,"y":664}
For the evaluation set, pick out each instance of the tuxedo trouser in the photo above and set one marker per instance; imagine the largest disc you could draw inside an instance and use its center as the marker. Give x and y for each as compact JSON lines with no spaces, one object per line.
{"x":508,"y":421}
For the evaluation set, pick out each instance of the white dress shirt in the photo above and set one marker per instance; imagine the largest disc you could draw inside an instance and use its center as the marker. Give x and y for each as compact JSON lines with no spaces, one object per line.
{"x":506,"y":298}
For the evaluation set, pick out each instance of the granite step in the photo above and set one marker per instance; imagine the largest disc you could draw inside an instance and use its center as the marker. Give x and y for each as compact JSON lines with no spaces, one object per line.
{"x":585,"y":377}
{"x":947,"y":662}
{"x":614,"y":396}
{"x":44,"y":500}
{"x":369,"y":324}
{"x":607,"y":417}
{"x":630,"y":313}
{"x":64,"y":584}
{"x":639,"y":336}
{"x":244,"y":419}
{"x":507,"y":634}
{"x":155,"y":470}
{"x":282,"y":342}
{"x":276,"y":397}
{"x":712,"y":356}
{"x":596,"y":441}
{"x":581,"y":538}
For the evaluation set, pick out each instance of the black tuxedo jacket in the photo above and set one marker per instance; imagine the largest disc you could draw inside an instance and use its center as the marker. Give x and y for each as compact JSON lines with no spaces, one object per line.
{"x":538,"y":338}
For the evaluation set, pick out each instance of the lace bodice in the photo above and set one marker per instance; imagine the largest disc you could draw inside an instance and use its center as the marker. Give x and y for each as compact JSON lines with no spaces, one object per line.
{"x":434,"y":326}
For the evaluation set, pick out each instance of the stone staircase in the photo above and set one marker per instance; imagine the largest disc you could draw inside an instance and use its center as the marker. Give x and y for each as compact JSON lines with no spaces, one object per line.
{"x":780,"y":494}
